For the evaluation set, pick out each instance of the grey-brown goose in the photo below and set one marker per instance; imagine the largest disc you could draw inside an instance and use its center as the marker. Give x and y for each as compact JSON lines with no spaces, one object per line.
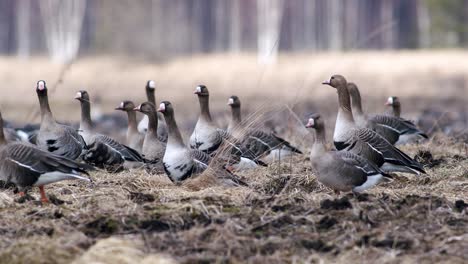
{"x":181,"y":162}
{"x":257,"y":144}
{"x":153,"y":145}
{"x":206,"y":136}
{"x":150,"y":89}
{"x":134,"y":137}
{"x":394,"y":106}
{"x":53,"y":137}
{"x":392,"y":128}
{"x":236,"y":118}
{"x":25,"y":165}
{"x":107,"y":145}
{"x":363,"y":141}
{"x":341,"y":170}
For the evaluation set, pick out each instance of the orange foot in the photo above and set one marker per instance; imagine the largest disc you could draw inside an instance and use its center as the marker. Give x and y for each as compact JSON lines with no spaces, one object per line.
{"x":43,"y":195}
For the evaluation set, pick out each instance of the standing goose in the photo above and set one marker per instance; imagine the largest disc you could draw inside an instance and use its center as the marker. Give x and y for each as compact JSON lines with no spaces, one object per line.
{"x":341,"y":170}
{"x":26,"y":166}
{"x":150,"y":89}
{"x":394,"y":104}
{"x":134,"y":138}
{"x":181,"y":162}
{"x":393,"y":129}
{"x":116,"y":152}
{"x":53,"y":137}
{"x":363,"y":141}
{"x":206,"y":136}
{"x":257,"y":144}
{"x":153,"y":146}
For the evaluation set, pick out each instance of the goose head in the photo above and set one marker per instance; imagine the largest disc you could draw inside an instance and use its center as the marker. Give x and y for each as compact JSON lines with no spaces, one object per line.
{"x":126,"y":106}
{"x":145,"y":108}
{"x":336,"y":81}
{"x":165,"y":107}
{"x":201,"y":91}
{"x":234,"y":101}
{"x":314,"y":121}
{"x":41,"y":88}
{"x":150,"y":85}
{"x":392,"y":101}
{"x":82,"y":96}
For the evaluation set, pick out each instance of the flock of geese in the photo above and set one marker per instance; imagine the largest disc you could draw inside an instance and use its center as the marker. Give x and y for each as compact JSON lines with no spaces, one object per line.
{"x":364,"y":151}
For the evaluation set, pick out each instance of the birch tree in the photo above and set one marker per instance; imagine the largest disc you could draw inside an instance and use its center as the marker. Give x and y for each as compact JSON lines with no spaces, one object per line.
{"x":62,"y":21}
{"x":269,"y":15}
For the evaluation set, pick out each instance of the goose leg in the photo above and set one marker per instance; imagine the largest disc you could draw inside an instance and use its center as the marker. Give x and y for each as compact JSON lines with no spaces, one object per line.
{"x":43,"y":195}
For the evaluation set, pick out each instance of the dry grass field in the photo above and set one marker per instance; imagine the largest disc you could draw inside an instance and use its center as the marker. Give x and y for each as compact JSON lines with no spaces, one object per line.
{"x":285,"y":215}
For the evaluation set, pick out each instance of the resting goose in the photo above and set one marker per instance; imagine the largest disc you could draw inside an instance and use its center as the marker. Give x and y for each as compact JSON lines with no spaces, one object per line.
{"x":393,"y":129}
{"x":134,"y":138}
{"x":150,"y":89}
{"x":53,"y":137}
{"x":25,"y":165}
{"x":363,"y":141}
{"x":206,"y":136}
{"x":153,"y":146}
{"x":394,"y":104}
{"x":181,"y":162}
{"x":117,"y":153}
{"x":257,"y":144}
{"x":341,"y":170}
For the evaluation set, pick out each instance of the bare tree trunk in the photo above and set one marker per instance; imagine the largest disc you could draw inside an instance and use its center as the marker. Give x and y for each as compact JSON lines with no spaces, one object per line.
{"x":235,"y":37}
{"x":336,"y":24}
{"x":269,"y":15}
{"x":62,"y":23}
{"x":388,"y":34}
{"x":424,"y":24}
{"x":23,"y":14}
{"x":310,"y":27}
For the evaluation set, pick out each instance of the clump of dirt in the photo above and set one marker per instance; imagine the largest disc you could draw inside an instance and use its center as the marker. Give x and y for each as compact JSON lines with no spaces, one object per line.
{"x":425,"y":157}
{"x":336,"y":204}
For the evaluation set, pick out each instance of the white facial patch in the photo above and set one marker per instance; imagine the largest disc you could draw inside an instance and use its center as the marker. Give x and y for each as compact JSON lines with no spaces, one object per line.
{"x":311,"y":122}
{"x":78,"y":95}
{"x":230,"y":101}
{"x":198,"y":89}
{"x":122,"y":105}
{"x":151,"y":84}
{"x":41,"y":85}
{"x":390,"y":100}
{"x":162,"y":107}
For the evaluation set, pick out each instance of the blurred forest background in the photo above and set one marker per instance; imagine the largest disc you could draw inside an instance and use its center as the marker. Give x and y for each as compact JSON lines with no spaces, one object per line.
{"x":161,"y":30}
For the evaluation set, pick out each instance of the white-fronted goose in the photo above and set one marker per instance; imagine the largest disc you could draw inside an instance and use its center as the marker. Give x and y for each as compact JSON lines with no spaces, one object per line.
{"x":25,"y":165}
{"x":181,"y":162}
{"x":134,"y":138}
{"x":150,"y":90}
{"x":206,"y":136}
{"x":153,"y":146}
{"x":394,"y":106}
{"x":341,"y":170}
{"x":112,"y":148}
{"x":389,"y":127}
{"x":363,"y":141}
{"x":53,"y":137}
{"x":236,"y":118}
{"x":257,"y":144}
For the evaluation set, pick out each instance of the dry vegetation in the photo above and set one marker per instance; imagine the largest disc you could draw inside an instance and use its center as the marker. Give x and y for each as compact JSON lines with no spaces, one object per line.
{"x":284,"y":215}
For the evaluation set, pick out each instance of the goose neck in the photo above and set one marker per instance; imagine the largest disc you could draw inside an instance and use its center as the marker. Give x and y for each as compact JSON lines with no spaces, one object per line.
{"x":205,"y":107}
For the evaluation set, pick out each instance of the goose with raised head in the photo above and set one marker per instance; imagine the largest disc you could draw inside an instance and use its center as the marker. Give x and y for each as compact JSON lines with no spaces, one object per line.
{"x":153,"y":146}
{"x":26,"y":166}
{"x":394,"y":106}
{"x":392,"y":128}
{"x":104,"y":146}
{"x":341,"y":170}
{"x":206,"y":136}
{"x":180,"y":162}
{"x":54,"y":137}
{"x":363,"y":141}
{"x":257,"y":144}
{"x":134,"y":138}
{"x":150,"y":90}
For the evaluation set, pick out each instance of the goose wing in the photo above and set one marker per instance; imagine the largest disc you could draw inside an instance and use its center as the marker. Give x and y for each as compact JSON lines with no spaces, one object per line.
{"x":126,"y":152}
